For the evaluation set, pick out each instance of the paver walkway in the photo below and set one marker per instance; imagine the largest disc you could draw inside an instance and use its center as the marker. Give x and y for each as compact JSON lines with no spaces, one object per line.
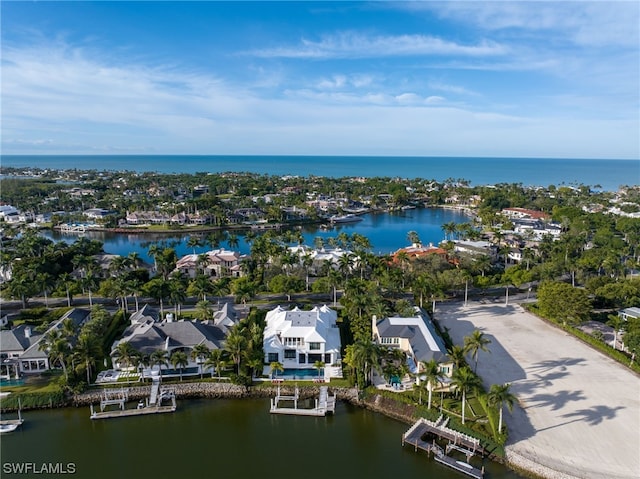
{"x":579,"y":412}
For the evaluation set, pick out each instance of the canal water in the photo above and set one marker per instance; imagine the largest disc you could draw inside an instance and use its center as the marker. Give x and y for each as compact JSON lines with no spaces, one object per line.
{"x":222,"y":439}
{"x":387,"y":232}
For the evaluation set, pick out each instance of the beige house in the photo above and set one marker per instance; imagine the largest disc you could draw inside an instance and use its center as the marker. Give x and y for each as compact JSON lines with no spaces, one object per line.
{"x":216,"y":263}
{"x":417,"y":337}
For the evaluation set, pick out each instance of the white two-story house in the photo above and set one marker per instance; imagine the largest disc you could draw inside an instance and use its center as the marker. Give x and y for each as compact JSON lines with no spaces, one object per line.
{"x":298,"y":339}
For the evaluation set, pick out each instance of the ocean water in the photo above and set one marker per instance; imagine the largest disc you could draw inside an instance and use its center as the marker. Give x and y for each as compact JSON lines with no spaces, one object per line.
{"x":608,"y":175}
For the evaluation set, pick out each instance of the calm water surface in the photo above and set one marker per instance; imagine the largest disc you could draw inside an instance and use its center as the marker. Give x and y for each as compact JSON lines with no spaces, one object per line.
{"x":387,"y":232}
{"x":224,"y":439}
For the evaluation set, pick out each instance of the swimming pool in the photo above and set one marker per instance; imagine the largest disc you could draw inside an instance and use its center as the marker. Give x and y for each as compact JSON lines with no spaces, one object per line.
{"x":308,"y":373}
{"x":11,"y":382}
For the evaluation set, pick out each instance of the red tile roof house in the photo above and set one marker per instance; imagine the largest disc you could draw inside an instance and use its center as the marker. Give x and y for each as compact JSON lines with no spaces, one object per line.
{"x":519,"y":213}
{"x":216,"y":263}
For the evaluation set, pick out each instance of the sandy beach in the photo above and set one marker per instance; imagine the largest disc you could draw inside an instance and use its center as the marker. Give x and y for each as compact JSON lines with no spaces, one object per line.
{"x":579,"y":412}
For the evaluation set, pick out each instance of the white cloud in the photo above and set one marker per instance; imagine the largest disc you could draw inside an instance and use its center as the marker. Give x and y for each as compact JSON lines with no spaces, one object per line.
{"x":73,"y":100}
{"x":583,"y":22}
{"x":357,"y":45}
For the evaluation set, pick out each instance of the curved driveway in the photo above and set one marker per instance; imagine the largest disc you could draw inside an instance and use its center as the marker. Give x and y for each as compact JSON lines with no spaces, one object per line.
{"x":579,"y":411}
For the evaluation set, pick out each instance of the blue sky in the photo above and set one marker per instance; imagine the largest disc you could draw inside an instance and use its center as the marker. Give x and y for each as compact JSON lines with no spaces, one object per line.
{"x":503,"y":79}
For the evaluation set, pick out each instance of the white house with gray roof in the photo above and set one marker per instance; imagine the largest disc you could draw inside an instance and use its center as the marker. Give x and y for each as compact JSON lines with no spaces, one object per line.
{"x":417,"y":336}
{"x":20,"y":351}
{"x":297,"y":339}
{"x":148,"y":333}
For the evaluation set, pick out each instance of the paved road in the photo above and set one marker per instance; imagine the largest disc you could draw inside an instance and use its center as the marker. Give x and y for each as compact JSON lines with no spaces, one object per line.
{"x":578,"y":413}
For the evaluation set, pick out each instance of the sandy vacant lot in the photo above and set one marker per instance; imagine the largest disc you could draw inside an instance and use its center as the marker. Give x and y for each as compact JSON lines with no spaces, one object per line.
{"x":579,"y":412}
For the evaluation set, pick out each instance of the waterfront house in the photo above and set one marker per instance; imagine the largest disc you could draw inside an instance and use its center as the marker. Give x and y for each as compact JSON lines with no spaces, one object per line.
{"x":476,"y":248}
{"x":20,"y":350}
{"x":216,"y":263}
{"x":416,"y":251}
{"x":417,"y":337}
{"x":148,"y":332}
{"x":298,"y":339}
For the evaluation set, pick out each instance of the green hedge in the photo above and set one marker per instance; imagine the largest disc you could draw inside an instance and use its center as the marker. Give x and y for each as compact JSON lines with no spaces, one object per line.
{"x":33,"y":400}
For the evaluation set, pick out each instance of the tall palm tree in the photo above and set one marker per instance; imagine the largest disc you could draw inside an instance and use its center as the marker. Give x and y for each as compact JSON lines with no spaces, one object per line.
{"x":179,"y":360}
{"x":432,"y":374}
{"x":66,"y":280}
{"x":159,"y":357}
{"x":57,"y":348}
{"x":318,"y":365}
{"x":465,"y":380}
{"x":457,"y":355}
{"x":365,"y":357}
{"x":86,"y":350}
{"x":275,"y":367}
{"x":125,"y":354}
{"x":235,"y":345}
{"x":413,"y":237}
{"x":474,"y":343}
{"x":199,"y":353}
{"x":216,"y":361}
{"x":499,"y":396}
{"x":204,"y":310}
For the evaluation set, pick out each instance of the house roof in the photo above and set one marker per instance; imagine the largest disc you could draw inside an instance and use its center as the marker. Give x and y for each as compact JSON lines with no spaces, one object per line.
{"x":18,"y":338}
{"x":150,"y":336}
{"x":317,"y":325}
{"x":422,"y":335}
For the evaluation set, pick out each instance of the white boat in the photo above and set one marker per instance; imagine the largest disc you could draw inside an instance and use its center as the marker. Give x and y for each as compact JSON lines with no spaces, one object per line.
{"x":6,"y":428}
{"x":408,"y":207}
{"x":349,"y":218}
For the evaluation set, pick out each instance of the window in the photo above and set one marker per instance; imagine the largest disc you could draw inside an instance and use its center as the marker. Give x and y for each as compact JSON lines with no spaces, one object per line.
{"x":294,"y":342}
{"x":327,"y":358}
{"x":314,"y":346}
{"x":390,"y":340}
{"x":273,"y":357}
{"x":289,"y":353}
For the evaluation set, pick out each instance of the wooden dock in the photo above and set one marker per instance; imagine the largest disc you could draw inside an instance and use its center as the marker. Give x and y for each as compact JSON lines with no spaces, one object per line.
{"x":324,"y":404}
{"x":152,"y":405}
{"x":458,"y":441}
{"x":132,"y":412}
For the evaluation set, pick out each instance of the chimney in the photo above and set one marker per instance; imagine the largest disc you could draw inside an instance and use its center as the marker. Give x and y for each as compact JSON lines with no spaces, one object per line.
{"x":27,"y":332}
{"x":374,"y":319}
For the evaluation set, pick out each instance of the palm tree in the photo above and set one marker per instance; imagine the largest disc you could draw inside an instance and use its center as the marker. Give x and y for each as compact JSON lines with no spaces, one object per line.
{"x":318,"y":365}
{"x":235,"y":345}
{"x":432,"y":375}
{"x":86,"y":350}
{"x":179,"y":359}
{"x":474,"y":343}
{"x":456,"y":354}
{"x":365,"y":356}
{"x":66,"y":280}
{"x":198,"y":353}
{"x":465,"y":380}
{"x":616,"y":322}
{"x":194,"y":242}
{"x":154,"y":252}
{"x":204,"y":310}
{"x":125,"y":354}
{"x":500,"y":395}
{"x":413,"y":237}
{"x":276,"y":366}
{"x":449,"y":229}
{"x":216,"y":361}
{"x":57,"y":349}
{"x":159,"y":357}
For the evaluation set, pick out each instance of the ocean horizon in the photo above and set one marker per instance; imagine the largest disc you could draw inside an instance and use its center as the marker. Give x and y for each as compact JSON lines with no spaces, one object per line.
{"x":605,"y":174}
